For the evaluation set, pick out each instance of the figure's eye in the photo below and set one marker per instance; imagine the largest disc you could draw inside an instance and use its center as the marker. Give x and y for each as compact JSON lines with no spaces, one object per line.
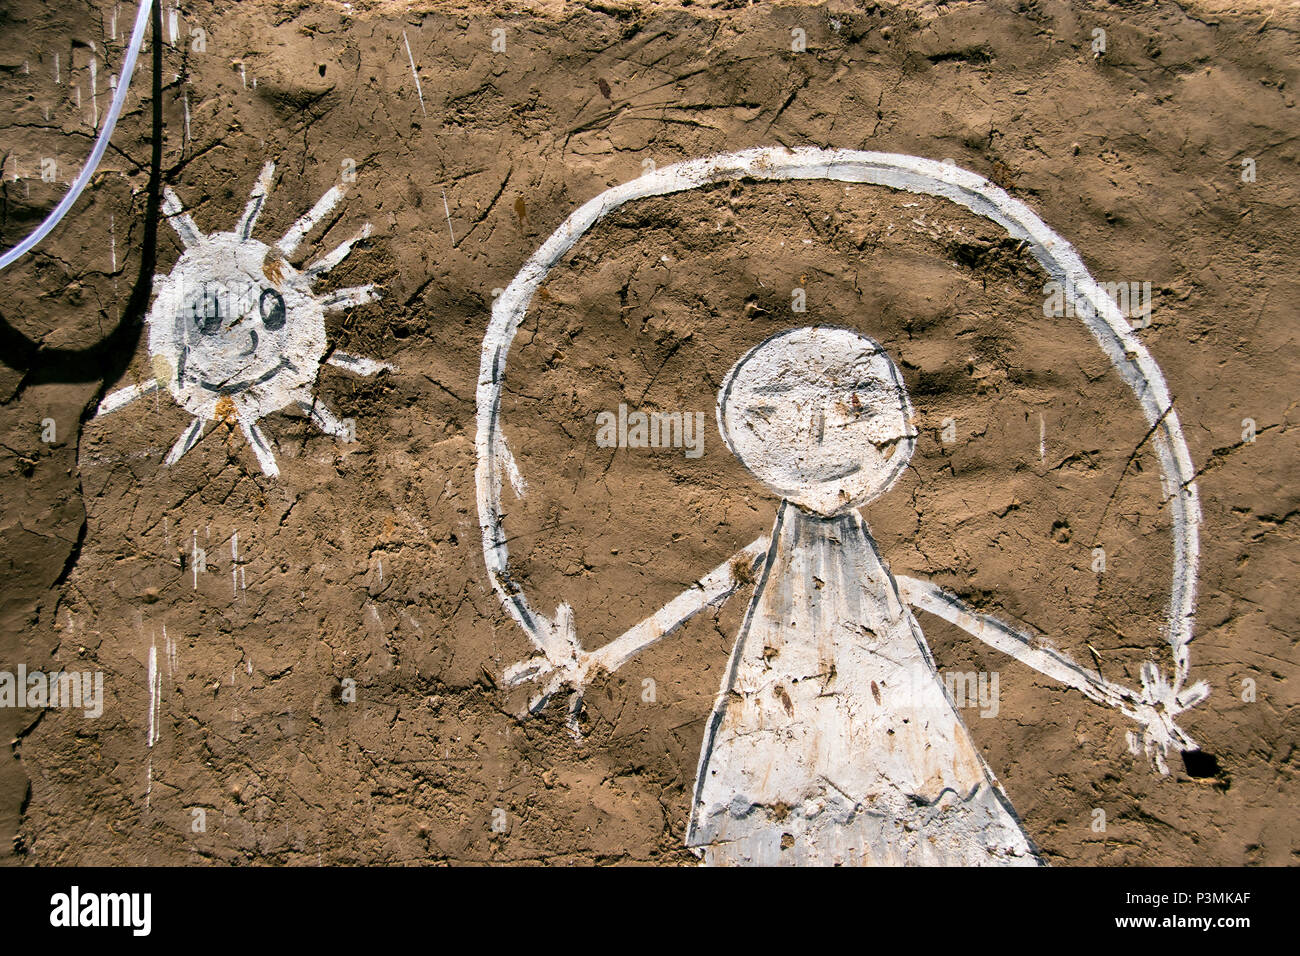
{"x":271,"y":306}
{"x":205,"y":310}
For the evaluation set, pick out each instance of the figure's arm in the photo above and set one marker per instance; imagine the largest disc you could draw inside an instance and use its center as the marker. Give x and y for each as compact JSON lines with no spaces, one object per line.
{"x":1154,"y":708}
{"x":714,"y":588}
{"x":571,"y":666}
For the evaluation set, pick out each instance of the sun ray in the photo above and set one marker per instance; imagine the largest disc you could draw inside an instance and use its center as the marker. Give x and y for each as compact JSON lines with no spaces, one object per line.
{"x":125,"y":396}
{"x":349,"y":297}
{"x":256,"y":200}
{"x":327,"y":421}
{"x":340,"y":252}
{"x":189,"y":438}
{"x":357,"y":364}
{"x":180,"y":220}
{"x":261,"y":447}
{"x":298,"y":231}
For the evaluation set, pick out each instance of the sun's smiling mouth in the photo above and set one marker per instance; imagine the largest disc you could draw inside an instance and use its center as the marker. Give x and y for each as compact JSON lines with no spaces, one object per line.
{"x":228,"y":388}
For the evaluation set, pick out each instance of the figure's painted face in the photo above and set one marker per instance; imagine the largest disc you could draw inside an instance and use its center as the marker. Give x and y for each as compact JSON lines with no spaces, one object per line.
{"x":234,"y":321}
{"x":236,"y":332}
{"x":820,"y":416}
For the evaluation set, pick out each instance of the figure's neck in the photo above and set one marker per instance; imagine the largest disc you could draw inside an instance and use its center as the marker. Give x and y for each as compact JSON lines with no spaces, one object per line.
{"x":836,"y":550}
{"x":802,"y":527}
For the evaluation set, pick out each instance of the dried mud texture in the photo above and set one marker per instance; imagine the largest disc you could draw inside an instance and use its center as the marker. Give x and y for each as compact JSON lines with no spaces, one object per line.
{"x":360,"y":567}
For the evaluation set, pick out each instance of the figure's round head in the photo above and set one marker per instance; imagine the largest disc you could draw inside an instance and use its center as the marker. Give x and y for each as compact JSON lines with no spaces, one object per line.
{"x":820,"y":416}
{"x":235,"y":328}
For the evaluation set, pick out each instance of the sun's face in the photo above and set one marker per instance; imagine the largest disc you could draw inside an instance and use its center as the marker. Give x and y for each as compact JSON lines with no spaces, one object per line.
{"x":820,"y":416}
{"x":235,"y":328}
{"x":236,"y":332}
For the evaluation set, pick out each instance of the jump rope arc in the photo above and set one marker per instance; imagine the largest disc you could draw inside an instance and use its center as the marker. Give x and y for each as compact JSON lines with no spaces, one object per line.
{"x":896,"y":171}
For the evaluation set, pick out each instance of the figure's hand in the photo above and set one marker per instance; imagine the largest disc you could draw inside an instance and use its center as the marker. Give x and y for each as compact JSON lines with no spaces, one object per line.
{"x":1156,"y":711}
{"x":562,"y":663}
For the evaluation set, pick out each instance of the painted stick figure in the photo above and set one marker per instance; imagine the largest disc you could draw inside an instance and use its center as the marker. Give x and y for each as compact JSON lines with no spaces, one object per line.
{"x":236,"y":332}
{"x":832,"y":739}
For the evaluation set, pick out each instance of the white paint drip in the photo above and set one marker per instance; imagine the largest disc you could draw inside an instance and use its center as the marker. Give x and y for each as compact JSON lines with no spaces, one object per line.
{"x":415,"y":73}
{"x":447,"y":211}
{"x":170,"y":646}
{"x":155,"y":694}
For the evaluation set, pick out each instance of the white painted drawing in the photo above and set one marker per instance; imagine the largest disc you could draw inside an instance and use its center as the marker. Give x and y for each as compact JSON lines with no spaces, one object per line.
{"x":236,"y":332}
{"x":832,"y":739}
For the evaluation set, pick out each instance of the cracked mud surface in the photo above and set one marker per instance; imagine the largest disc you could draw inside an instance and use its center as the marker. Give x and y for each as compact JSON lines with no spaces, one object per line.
{"x":362,"y":561}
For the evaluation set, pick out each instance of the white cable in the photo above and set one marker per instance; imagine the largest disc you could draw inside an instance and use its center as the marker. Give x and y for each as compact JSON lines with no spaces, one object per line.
{"x":101,"y":144}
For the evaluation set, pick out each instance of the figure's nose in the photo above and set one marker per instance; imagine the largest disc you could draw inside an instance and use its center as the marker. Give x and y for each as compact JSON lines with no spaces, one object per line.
{"x":252,"y":335}
{"x":837,"y":413}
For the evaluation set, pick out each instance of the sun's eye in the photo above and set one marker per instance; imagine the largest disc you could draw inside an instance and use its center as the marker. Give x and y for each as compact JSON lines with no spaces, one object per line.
{"x":205,"y":310}
{"x":271,"y":306}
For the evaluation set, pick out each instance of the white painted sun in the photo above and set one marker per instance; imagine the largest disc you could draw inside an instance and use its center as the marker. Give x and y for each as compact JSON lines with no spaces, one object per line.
{"x":236,"y":332}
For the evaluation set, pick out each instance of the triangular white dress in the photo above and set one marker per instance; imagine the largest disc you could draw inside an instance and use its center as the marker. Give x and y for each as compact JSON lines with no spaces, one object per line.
{"x":834,"y":741}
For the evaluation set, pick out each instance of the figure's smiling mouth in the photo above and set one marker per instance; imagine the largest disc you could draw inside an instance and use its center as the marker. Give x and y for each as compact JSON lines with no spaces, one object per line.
{"x":230,"y":388}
